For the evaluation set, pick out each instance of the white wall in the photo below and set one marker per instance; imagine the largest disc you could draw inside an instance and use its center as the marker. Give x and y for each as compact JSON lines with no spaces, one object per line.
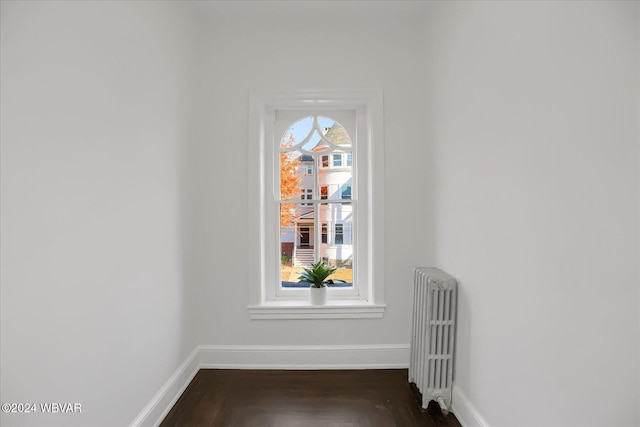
{"x":534,"y":120}
{"x":511,"y":162}
{"x":93,"y":309}
{"x":304,"y":45}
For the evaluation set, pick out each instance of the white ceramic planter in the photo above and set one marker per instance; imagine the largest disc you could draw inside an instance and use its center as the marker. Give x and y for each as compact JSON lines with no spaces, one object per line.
{"x":318,"y":295}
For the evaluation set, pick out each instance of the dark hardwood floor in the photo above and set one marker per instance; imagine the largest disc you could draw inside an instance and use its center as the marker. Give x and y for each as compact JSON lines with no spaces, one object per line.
{"x":265,"y":398}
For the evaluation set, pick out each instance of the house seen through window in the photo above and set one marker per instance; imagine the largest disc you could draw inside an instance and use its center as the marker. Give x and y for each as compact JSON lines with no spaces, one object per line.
{"x":316,"y":209}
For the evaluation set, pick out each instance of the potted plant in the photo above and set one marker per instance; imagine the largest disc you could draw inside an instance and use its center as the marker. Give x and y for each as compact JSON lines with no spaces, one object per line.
{"x":316,"y":276}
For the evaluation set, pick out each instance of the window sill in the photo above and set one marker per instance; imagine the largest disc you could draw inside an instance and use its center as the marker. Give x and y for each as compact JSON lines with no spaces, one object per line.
{"x":338,"y":309}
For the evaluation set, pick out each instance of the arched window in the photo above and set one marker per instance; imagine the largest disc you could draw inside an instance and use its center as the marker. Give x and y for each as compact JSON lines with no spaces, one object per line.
{"x":314,"y":196}
{"x":322,"y":143}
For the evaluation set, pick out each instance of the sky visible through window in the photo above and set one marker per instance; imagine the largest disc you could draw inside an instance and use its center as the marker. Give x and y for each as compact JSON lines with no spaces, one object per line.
{"x":300,"y":130}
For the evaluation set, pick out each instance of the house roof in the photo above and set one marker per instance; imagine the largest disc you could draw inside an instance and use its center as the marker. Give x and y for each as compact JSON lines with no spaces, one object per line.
{"x":306,"y":215}
{"x":336,"y":134}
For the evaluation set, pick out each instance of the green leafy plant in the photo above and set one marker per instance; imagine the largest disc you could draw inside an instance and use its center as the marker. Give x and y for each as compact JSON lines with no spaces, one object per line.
{"x":317,"y":275}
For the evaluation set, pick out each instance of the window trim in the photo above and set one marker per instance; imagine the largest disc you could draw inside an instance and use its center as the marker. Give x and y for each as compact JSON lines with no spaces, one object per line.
{"x":368,"y":105}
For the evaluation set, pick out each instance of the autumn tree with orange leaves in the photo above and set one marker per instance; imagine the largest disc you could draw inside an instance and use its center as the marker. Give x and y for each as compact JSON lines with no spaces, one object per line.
{"x":289,"y":183}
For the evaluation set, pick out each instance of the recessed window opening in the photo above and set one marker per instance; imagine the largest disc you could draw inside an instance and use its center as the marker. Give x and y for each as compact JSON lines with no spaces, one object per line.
{"x":293,"y":138}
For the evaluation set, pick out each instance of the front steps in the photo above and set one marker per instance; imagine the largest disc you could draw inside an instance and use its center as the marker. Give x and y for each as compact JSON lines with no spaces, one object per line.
{"x":303,"y":257}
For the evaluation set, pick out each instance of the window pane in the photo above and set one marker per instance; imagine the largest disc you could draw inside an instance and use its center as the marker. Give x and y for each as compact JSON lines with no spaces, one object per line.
{"x":337,"y":160}
{"x":303,"y":134}
{"x":297,"y":132}
{"x":337,"y":250}
{"x":296,"y":240}
{"x":290,"y":175}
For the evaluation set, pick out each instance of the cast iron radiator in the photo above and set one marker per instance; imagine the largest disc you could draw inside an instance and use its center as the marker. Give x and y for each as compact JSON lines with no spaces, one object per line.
{"x":433,"y":335}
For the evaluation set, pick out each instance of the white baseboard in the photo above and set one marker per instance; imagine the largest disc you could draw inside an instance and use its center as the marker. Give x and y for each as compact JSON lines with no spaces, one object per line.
{"x":160,"y":404}
{"x":465,"y":412}
{"x":383,"y":356}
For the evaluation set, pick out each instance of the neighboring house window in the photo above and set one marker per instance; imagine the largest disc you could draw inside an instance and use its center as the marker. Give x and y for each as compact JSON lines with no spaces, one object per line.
{"x":346,"y":192}
{"x":291,"y":131}
{"x":306,"y":194}
{"x":338,"y":237}
{"x":324,"y":192}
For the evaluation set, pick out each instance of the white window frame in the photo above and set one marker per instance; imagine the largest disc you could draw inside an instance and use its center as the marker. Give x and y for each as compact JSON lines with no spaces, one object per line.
{"x":368,"y":229}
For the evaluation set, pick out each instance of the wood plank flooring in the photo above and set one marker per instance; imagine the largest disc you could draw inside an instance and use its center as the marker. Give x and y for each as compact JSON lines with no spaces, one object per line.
{"x":279,"y":398}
